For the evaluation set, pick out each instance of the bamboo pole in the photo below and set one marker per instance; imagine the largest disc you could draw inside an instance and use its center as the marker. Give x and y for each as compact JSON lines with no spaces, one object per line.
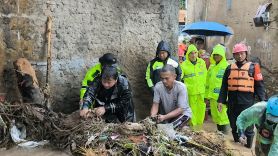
{"x":49,"y":56}
{"x":49,"y":52}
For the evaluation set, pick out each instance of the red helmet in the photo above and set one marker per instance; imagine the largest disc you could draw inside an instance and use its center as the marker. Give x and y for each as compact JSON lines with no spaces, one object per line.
{"x":239,"y":48}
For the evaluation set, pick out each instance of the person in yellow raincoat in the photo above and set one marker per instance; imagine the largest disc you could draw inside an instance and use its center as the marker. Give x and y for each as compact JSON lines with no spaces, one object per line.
{"x":214,"y":81}
{"x":194,"y":74}
{"x":106,"y":59}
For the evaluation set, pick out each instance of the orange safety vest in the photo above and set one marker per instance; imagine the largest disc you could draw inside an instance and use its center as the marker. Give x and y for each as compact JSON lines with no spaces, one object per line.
{"x":239,"y":79}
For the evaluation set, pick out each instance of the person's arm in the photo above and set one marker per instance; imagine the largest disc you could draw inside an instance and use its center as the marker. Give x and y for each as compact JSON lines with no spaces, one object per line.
{"x":89,"y":77}
{"x":148,"y":76}
{"x":250,"y":116}
{"x":204,"y":69}
{"x":179,"y":73}
{"x":89,"y":97}
{"x":122,"y":103}
{"x":182,"y":70}
{"x":90,"y":94}
{"x":156,"y":101}
{"x":258,"y":83}
{"x":183,"y":103}
{"x":224,"y":87}
{"x":274,"y":146}
{"x":154,"y":109}
{"x":173,"y":114}
{"x":207,"y":83}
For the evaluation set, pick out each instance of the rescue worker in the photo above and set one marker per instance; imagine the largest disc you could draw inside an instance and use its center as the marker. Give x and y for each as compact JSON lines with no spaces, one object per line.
{"x":214,"y":81}
{"x":200,"y":44}
{"x":181,"y":49}
{"x":240,"y":81}
{"x":163,"y":57}
{"x":170,"y":101}
{"x":106,"y":59}
{"x":110,"y":96}
{"x":194,"y":76}
{"x":265,"y":116}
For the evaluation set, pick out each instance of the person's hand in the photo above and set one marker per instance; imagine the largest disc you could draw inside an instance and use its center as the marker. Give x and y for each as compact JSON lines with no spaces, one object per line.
{"x":84,"y":112}
{"x":161,"y":118}
{"x":100,"y":111}
{"x":80,"y":103}
{"x":220,"y":107}
{"x":154,"y":117}
{"x":243,"y":139}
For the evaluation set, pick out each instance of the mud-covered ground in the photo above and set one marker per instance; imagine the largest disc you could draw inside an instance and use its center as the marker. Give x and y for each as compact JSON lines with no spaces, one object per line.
{"x":236,"y":148}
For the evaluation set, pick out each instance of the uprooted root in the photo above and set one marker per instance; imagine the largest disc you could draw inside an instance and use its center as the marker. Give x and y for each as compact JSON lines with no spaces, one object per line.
{"x":94,"y":137}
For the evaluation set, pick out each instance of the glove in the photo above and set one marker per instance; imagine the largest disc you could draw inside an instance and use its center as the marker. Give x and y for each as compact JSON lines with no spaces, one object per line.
{"x":242,"y":138}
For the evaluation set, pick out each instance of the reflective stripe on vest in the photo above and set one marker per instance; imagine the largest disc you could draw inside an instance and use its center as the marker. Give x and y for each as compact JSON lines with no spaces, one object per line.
{"x":239,"y":79}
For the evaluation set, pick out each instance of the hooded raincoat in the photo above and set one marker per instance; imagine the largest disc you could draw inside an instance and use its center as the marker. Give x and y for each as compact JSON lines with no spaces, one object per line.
{"x":89,"y":77}
{"x":194,"y":77}
{"x":213,"y":85}
{"x":155,"y":65}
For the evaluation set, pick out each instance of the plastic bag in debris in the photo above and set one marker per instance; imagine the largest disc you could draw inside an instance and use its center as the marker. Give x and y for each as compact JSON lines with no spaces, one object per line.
{"x":182,"y":139}
{"x":32,"y":144}
{"x":18,"y":135}
{"x":168,"y":130}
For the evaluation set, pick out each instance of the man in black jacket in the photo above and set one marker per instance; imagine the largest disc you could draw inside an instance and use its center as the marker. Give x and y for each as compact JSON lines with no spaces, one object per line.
{"x":110,"y":96}
{"x":241,"y":82}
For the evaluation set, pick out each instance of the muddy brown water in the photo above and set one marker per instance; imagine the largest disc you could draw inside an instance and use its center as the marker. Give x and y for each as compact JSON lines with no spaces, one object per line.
{"x":33,"y":152}
{"x":236,"y":148}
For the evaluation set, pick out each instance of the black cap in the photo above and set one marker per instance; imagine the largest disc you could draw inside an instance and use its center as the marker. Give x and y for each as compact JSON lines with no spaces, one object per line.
{"x":108,"y":58}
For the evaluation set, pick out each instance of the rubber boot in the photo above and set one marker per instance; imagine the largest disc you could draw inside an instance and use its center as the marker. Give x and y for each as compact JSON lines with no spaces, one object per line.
{"x":236,"y":137}
{"x":219,"y":128}
{"x":249,"y":141}
{"x":225,"y":129}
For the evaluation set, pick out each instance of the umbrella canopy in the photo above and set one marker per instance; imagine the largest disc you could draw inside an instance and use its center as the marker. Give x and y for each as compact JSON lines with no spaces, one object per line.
{"x":207,"y":29}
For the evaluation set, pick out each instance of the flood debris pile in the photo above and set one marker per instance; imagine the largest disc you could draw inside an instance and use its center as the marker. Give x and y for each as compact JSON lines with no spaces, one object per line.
{"x":94,"y":137}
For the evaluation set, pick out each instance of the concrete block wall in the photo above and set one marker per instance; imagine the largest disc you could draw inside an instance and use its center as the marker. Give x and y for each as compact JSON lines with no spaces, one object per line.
{"x":22,"y":28}
{"x":239,"y":16}
{"x":82,"y":31}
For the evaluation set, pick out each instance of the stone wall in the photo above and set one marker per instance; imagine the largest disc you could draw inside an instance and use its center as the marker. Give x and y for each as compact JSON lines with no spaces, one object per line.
{"x":22,"y":27}
{"x":82,"y":31}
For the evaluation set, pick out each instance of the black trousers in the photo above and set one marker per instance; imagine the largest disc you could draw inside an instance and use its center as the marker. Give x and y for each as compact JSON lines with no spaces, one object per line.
{"x":234,"y":111}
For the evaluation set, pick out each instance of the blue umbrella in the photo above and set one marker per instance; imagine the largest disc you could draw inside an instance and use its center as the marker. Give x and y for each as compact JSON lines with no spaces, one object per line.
{"x":207,"y":29}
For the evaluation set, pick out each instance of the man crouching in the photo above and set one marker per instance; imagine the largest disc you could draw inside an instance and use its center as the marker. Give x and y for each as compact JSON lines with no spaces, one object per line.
{"x":170,"y":101}
{"x":110,"y":96}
